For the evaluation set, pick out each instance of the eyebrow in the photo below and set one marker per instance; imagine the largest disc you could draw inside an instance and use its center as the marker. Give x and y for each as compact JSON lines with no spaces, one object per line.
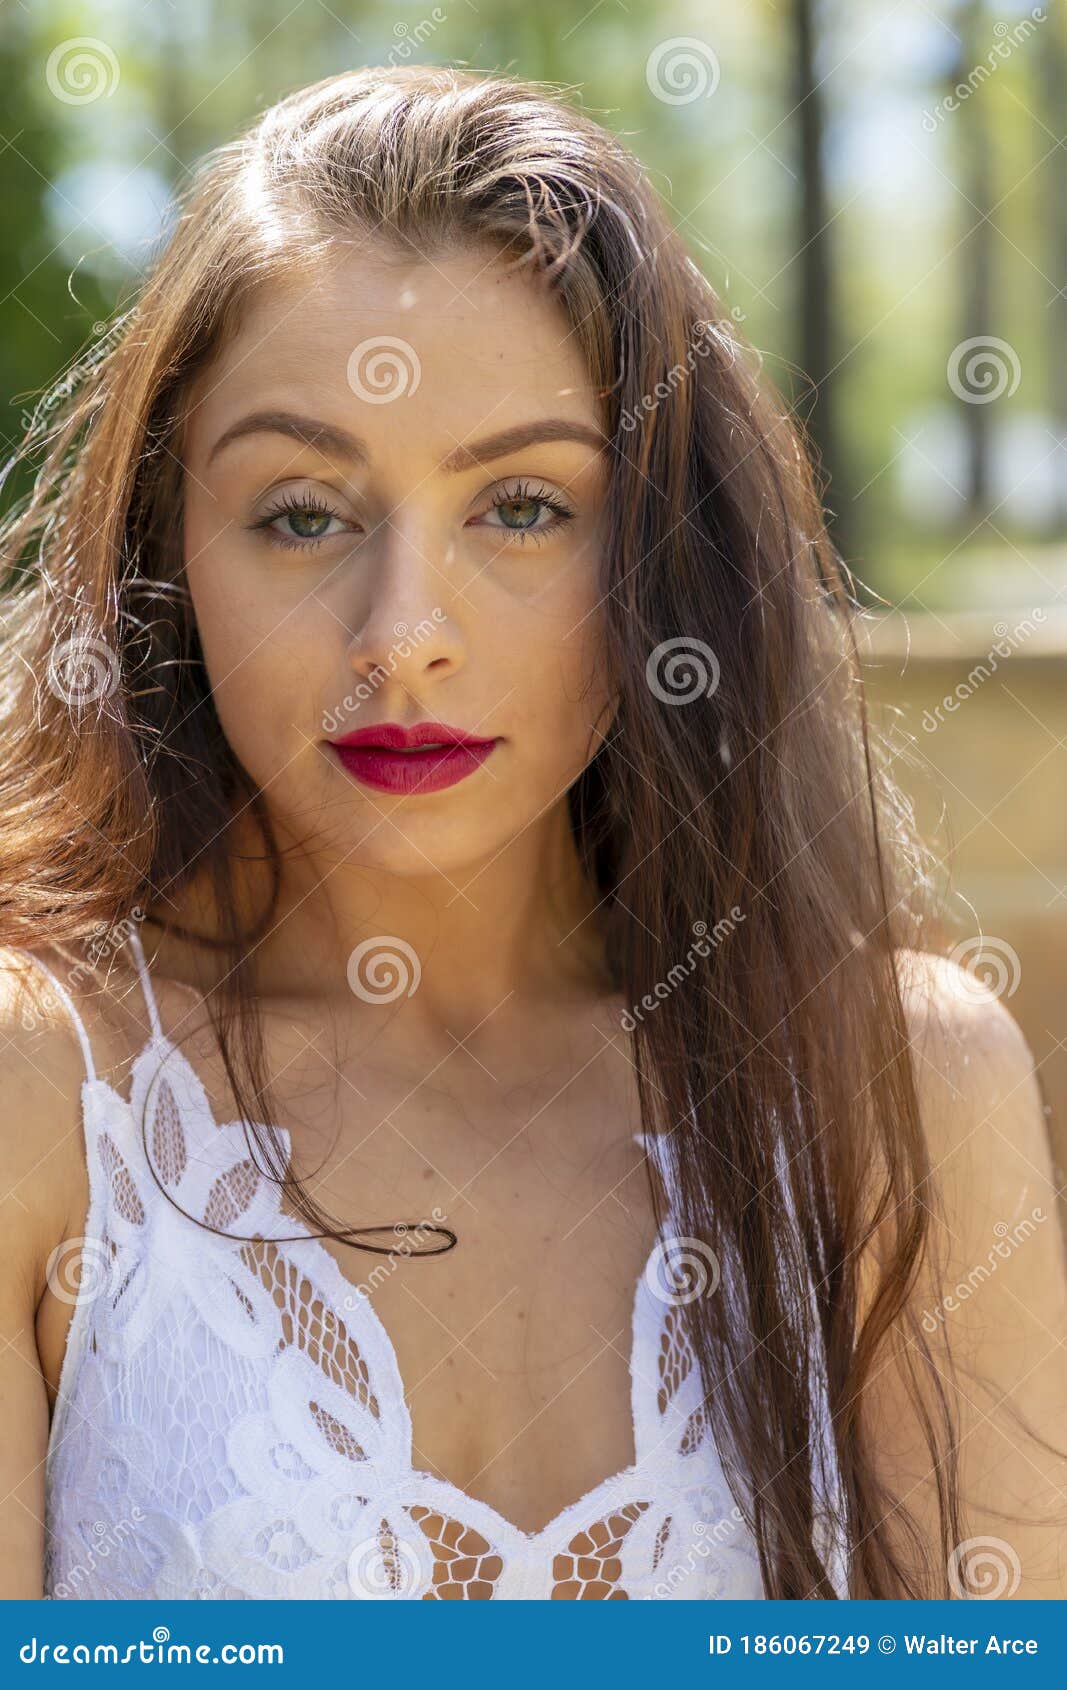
{"x":331,"y":438}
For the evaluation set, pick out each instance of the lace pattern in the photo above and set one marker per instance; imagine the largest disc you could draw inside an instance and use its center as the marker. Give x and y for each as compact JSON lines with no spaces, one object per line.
{"x":232,"y":1422}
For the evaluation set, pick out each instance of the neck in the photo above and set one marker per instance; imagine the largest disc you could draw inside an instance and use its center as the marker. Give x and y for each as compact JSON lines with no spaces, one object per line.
{"x":521,"y":924}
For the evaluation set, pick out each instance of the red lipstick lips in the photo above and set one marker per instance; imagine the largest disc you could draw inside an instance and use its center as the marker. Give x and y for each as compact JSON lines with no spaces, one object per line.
{"x":423,"y":758}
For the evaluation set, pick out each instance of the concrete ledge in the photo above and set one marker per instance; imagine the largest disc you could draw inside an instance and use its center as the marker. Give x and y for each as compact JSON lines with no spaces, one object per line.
{"x":964,"y":635}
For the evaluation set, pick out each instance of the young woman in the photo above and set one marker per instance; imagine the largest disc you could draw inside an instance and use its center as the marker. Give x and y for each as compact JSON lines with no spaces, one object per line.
{"x":480,"y":1119}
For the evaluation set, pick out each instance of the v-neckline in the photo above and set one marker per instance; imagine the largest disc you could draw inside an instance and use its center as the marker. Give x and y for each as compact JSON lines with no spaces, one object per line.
{"x":341,"y":1293}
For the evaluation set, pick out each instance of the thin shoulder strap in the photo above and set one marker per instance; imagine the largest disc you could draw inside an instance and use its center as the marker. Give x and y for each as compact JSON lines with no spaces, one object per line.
{"x":146,"y":983}
{"x":79,"y":1024}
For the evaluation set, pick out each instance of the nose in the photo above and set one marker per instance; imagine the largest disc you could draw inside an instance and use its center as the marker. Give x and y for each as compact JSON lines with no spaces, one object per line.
{"x":408,"y":631}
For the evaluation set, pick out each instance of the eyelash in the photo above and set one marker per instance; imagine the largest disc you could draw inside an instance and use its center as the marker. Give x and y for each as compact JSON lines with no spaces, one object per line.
{"x":320,"y":507}
{"x":524,"y":494}
{"x":294,"y":502}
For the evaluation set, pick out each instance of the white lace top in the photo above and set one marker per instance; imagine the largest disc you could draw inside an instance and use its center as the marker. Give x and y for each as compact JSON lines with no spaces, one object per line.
{"x":231,"y":1420}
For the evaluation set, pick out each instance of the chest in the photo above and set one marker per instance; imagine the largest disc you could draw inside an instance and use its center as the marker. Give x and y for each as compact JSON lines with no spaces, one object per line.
{"x":254,"y":1426}
{"x":279,"y":1428}
{"x":514,"y":1347}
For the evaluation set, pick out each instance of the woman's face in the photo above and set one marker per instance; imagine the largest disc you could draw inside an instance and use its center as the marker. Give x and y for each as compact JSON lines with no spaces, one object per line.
{"x":433,"y":556}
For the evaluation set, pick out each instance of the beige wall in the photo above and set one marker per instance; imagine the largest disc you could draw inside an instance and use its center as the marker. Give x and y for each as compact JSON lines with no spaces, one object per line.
{"x":989,"y":781}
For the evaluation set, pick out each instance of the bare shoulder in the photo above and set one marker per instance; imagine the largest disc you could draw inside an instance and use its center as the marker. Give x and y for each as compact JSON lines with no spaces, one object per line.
{"x":990,"y":1292}
{"x":981,"y":1105}
{"x":985,"y":1127}
{"x":963,"y":1034}
{"x":43,"y":1179}
{"x":42,"y":1069}
{"x":43,"y":1198}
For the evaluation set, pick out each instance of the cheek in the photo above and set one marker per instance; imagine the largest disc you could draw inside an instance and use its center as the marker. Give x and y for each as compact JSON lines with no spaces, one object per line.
{"x":259,"y":661}
{"x":583,"y":650}
{"x":229,"y":612}
{"x":565,"y":686}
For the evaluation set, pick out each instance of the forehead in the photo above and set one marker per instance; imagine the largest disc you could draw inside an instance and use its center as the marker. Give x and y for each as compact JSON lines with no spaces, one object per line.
{"x":402,"y":350}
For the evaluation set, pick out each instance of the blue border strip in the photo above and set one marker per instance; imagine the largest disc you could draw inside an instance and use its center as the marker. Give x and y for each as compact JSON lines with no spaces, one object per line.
{"x":545,"y":1644}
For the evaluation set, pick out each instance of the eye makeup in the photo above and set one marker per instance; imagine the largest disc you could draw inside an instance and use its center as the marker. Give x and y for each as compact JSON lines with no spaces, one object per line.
{"x":294,"y":506}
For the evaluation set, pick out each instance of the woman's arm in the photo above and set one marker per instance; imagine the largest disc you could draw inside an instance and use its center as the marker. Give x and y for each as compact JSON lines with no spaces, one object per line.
{"x":993,"y":1289}
{"x":40,"y":1143}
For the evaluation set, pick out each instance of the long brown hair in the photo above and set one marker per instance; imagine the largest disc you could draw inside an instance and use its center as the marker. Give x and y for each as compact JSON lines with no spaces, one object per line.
{"x":737,"y":804}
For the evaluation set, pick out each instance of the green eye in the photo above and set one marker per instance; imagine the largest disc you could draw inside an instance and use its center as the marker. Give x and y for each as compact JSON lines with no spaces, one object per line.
{"x":519,"y":513}
{"x":309,"y":515}
{"x":515,"y":508}
{"x":322,"y":518}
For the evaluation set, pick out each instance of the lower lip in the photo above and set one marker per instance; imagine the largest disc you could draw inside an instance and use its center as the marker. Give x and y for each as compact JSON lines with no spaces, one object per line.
{"x":413,"y":771}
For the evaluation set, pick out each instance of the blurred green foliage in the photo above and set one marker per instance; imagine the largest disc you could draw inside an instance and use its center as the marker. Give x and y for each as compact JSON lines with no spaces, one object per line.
{"x":86,"y":179}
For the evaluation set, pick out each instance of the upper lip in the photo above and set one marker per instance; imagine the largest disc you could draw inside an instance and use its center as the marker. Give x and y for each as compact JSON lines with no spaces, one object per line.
{"x":392,"y":736}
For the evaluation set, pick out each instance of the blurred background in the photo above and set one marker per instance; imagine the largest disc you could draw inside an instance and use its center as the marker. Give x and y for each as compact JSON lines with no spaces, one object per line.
{"x":875,"y":188}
